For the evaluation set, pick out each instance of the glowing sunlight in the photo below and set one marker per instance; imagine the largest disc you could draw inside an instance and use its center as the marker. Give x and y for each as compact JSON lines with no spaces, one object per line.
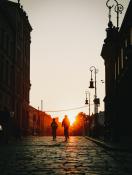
{"x":72,"y":119}
{"x":71,"y":116}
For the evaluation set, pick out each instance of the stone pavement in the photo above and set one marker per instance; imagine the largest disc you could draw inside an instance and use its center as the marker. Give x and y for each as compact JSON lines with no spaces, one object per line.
{"x":80,"y":156}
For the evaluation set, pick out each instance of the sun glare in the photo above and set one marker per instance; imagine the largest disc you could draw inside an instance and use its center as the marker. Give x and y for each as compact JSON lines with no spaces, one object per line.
{"x":71,"y":117}
{"x":72,"y":120}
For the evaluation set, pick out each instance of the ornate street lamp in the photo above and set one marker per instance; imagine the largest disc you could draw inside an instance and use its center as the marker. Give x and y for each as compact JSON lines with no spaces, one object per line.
{"x":91,"y":81}
{"x":93,"y":85}
{"x":118,"y":8}
{"x":87,"y":101}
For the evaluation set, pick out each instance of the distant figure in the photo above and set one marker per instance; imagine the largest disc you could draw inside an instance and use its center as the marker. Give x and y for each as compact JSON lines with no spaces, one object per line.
{"x":66,"y":125}
{"x":54,"y":127}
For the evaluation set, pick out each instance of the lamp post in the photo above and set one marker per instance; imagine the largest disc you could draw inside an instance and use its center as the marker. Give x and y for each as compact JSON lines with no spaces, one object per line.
{"x":118,"y":8}
{"x":87,"y":101}
{"x":93,"y":85}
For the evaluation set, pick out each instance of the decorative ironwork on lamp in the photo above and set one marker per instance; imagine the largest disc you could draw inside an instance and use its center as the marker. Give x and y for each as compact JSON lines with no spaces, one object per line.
{"x":86,"y":101}
{"x":91,"y":81}
{"x":93,"y":85}
{"x":118,"y":9}
{"x":97,"y":101}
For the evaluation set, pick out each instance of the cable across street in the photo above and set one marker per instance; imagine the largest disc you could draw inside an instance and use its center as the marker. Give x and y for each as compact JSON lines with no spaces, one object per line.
{"x":70,"y":109}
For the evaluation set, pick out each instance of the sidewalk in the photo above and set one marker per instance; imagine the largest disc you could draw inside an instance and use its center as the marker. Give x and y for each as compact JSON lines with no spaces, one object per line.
{"x":125,"y":146}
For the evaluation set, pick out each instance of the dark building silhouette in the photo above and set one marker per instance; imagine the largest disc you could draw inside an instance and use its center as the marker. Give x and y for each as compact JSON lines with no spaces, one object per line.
{"x":15,"y":60}
{"x":117,"y":55}
{"x":39,"y":122}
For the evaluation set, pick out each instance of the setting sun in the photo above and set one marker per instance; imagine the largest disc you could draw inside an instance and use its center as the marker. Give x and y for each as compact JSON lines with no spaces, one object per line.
{"x":72,"y":119}
{"x":71,"y":116}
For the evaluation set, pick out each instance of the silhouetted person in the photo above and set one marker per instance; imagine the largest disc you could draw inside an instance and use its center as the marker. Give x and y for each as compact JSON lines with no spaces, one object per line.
{"x":66,"y":125}
{"x":54,"y":126}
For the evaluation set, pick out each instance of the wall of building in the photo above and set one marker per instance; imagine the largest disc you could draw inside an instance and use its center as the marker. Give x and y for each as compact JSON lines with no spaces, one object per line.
{"x":15,"y":61}
{"x":117,"y":53}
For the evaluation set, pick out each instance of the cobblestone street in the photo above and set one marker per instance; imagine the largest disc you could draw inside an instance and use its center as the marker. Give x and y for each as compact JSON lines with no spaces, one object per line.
{"x":41,"y":155}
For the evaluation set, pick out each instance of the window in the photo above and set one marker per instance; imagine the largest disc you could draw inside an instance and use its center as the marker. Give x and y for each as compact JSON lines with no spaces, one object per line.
{"x":126,"y":43}
{"x":7,"y":73}
{"x":131,"y":36}
{"x":4,"y":41}
{"x":122,"y":59}
{"x":115,"y":71}
{"x":0,"y":38}
{"x":1,"y":70}
{"x":118,"y":66}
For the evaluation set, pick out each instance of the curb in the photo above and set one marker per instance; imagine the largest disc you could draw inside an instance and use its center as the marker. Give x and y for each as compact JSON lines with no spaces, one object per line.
{"x":110,"y":146}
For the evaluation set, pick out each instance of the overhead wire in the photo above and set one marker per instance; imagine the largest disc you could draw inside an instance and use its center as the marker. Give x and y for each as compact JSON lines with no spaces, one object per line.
{"x":70,"y":109}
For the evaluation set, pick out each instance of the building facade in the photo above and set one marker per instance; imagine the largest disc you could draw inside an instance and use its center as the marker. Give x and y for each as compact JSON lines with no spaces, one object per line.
{"x":39,"y":123}
{"x":15,"y":42}
{"x":117,"y":55}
